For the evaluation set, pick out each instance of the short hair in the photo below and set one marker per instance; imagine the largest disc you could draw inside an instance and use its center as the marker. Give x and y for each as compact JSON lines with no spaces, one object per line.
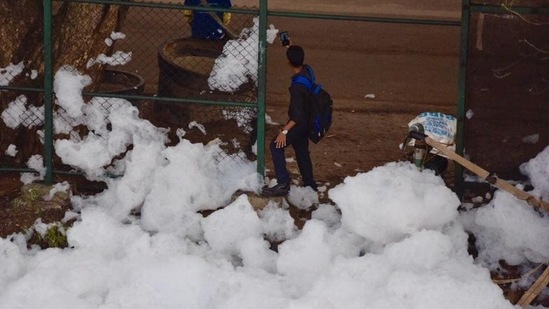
{"x":295,"y":55}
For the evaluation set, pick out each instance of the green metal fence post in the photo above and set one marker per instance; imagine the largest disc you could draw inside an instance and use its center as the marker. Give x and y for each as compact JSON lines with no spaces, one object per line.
{"x":48,"y":92}
{"x":462,"y":88}
{"x":261,"y":87}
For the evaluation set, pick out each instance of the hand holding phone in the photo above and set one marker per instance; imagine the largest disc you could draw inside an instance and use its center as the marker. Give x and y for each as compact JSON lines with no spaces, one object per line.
{"x":284,"y":38}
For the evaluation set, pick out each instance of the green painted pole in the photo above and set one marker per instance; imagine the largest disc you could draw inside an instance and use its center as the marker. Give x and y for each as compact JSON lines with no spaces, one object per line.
{"x":462,"y":88}
{"x":262,"y":87}
{"x":48,"y":92}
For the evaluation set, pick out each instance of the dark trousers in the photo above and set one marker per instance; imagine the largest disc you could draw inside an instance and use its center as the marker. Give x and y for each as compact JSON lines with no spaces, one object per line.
{"x":297,"y":137}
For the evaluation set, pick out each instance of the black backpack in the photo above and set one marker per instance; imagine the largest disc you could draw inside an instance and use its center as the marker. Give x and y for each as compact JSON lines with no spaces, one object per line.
{"x":320,"y":107}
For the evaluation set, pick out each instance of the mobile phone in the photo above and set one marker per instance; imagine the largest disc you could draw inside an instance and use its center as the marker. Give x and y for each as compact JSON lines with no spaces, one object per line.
{"x":284,"y":38}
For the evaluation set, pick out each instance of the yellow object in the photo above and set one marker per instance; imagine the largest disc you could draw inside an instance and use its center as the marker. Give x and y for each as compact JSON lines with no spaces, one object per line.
{"x":226,"y":18}
{"x":188,"y":14}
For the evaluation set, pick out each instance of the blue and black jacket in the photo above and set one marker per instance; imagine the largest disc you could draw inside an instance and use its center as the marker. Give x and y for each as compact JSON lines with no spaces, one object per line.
{"x":298,"y":111}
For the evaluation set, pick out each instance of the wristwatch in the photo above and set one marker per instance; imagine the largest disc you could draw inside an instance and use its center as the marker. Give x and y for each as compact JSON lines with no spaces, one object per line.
{"x":284,"y":132}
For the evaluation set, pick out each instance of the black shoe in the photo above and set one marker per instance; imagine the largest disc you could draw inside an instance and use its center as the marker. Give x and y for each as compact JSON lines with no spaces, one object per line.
{"x":280,"y":189}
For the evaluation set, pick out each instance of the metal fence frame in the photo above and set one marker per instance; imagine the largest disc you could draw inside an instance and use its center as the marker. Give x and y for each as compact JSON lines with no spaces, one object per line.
{"x":467,"y":9}
{"x":263,"y":13}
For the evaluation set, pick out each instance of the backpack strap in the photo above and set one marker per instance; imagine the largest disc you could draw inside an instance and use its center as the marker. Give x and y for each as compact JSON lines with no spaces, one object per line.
{"x":300,"y":79}
{"x":311,"y":73}
{"x":308,"y":83}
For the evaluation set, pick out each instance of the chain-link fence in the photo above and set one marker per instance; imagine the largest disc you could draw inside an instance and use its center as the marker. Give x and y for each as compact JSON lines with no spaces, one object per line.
{"x":162,"y":58}
{"x":505,"y":111}
{"x":172,"y":61}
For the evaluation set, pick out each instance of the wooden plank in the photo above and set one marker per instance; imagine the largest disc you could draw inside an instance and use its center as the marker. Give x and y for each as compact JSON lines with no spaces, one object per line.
{"x":484,"y":174}
{"x":535,"y":289}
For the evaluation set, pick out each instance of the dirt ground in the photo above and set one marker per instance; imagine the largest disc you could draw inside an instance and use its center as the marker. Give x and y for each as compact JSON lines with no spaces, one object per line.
{"x":407,"y":69}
